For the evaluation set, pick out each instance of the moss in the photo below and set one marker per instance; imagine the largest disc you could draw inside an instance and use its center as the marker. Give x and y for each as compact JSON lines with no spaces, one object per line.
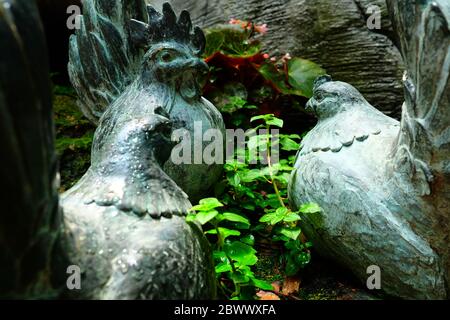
{"x":74,"y":134}
{"x":319,"y":294}
{"x":268,"y":269}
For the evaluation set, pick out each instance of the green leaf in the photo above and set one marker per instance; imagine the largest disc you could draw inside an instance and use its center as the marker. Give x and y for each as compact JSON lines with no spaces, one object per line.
{"x":207,"y":204}
{"x":223,"y":267}
{"x":283,"y":178}
{"x":235,"y":44}
{"x":206,"y":216}
{"x":291,"y":233}
{"x":190,"y":217}
{"x":251,"y":175}
{"x":214,"y":42}
{"x":224,"y":232}
{"x":302,"y":74}
{"x":244,"y":226}
{"x":238,"y":277}
{"x":310,"y":208}
{"x":280,"y":237}
{"x":234,"y":180}
{"x":267,"y":217}
{"x":229,"y":216}
{"x":268,"y":119}
{"x":264,"y":285}
{"x":241,"y":252}
{"x":220,"y":255}
{"x":275,"y":122}
{"x":276,"y":77}
{"x":292,"y":267}
{"x":292,"y":217}
{"x":294,"y":136}
{"x":275,"y":216}
{"x":281,"y":212}
{"x":248,"y":239}
{"x":288,"y":144}
{"x":248,"y":206}
{"x":292,"y":245}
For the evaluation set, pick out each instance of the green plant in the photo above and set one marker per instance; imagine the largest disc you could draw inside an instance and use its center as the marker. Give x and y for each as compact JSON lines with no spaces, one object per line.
{"x":234,"y":253}
{"x":240,"y":70}
{"x":253,"y":204}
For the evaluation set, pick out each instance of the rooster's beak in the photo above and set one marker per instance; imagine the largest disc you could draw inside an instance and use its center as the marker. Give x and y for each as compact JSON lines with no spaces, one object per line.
{"x":198,"y":65}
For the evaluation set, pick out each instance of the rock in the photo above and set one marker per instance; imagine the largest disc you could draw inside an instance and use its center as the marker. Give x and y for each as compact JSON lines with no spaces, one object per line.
{"x":331,"y":33}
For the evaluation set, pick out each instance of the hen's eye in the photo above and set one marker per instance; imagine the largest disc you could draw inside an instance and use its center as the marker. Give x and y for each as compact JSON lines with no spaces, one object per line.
{"x":319,"y":96}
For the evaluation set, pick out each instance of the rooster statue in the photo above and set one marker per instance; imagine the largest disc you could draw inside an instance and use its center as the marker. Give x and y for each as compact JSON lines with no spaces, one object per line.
{"x":127,"y":57}
{"x":146,"y":71}
{"x":384,"y":186}
{"x":122,"y":225}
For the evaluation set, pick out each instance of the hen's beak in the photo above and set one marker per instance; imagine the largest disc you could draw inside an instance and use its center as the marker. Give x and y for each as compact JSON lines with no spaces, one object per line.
{"x":310,"y":105}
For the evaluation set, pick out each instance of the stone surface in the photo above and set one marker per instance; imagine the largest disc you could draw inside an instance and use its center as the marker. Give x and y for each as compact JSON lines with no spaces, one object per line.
{"x":383,"y":185}
{"x":331,"y":33}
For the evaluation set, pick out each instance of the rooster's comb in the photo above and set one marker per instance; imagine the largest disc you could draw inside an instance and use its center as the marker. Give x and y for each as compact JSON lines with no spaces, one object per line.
{"x":166,"y":27}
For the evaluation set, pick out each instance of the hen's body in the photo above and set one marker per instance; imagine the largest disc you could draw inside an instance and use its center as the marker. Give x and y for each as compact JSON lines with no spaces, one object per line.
{"x":122,"y":219}
{"x":343,"y":166}
{"x":123,"y":256}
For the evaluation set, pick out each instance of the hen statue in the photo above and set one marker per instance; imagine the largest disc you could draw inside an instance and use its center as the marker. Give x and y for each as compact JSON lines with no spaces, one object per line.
{"x":384,"y":186}
{"x":122,"y":225}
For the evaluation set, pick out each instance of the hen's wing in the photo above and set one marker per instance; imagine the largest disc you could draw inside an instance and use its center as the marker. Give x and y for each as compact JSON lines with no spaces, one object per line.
{"x":29,"y":215}
{"x":347,"y":128}
{"x":103,"y":58}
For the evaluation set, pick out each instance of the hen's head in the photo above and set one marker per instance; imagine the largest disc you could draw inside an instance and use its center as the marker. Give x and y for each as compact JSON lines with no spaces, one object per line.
{"x":172,"y":48}
{"x":332,"y":97}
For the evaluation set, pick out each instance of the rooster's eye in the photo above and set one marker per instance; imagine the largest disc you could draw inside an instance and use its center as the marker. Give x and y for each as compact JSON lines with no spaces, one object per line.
{"x":166,"y":56}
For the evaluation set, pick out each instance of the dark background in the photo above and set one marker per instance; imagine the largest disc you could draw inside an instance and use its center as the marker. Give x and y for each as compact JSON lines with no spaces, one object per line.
{"x":54,"y":18}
